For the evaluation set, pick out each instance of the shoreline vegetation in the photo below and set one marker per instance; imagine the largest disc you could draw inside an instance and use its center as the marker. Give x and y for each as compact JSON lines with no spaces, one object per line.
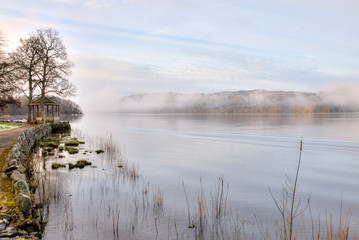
{"x":209,"y":216}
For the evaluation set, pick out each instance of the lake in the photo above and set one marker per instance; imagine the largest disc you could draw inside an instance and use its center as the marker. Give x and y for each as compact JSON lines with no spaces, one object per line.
{"x":179,"y":157}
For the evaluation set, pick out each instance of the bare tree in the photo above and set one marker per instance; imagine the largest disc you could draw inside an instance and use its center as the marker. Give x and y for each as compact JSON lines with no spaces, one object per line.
{"x":7,"y":90}
{"x":288,"y":206}
{"x":2,"y":44}
{"x":25,"y":60}
{"x":54,"y":66}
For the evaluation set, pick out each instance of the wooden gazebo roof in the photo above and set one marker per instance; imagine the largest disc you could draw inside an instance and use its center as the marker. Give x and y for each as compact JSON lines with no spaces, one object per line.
{"x":47,"y":101}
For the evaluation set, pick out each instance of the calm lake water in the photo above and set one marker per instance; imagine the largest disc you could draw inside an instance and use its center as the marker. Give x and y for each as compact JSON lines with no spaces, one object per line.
{"x":252,"y":152}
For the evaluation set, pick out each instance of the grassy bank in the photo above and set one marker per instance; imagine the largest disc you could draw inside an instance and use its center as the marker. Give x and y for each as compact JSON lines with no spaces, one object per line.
{"x":7,"y":126}
{"x":7,"y":197}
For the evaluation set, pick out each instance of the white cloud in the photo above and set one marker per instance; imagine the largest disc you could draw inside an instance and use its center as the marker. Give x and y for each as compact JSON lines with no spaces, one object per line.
{"x":195,"y":45}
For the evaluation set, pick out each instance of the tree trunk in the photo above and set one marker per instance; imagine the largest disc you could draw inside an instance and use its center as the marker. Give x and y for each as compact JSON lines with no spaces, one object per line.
{"x":42,"y":112}
{"x":28,"y":113}
{"x":43,"y":109}
{"x":30,"y":91}
{"x":43,"y":88}
{"x":43,"y":103}
{"x":29,"y":101}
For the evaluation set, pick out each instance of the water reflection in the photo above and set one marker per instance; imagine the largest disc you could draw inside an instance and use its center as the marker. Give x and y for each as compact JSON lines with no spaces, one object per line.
{"x":252,"y":152}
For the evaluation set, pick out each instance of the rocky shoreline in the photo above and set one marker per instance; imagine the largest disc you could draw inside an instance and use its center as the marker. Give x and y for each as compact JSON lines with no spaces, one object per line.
{"x":24,"y":221}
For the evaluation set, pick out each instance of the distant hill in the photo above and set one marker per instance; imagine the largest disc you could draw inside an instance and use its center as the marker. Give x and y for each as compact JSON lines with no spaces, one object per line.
{"x":67,"y":107}
{"x":254,"y":101}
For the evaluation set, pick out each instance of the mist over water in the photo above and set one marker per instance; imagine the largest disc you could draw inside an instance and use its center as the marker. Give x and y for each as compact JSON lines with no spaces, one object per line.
{"x":340,"y":99}
{"x":253,"y":152}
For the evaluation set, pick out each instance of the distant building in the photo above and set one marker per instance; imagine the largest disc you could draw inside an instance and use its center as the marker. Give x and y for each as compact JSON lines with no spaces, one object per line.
{"x":51,"y":110}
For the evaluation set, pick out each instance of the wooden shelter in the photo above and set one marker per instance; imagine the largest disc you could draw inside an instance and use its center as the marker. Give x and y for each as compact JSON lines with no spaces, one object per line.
{"x":51,"y":110}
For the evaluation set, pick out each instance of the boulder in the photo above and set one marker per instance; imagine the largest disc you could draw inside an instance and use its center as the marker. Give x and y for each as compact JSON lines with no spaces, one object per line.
{"x":24,"y":204}
{"x":60,"y":127}
{"x":17,"y":176}
{"x":13,"y":160}
{"x":15,"y":152}
{"x":9,"y":232}
{"x":21,"y":168}
{"x":10,"y":167}
{"x":21,"y":187}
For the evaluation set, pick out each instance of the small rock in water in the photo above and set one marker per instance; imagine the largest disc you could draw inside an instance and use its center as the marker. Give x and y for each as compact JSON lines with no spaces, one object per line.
{"x":9,"y":232}
{"x":3,"y":224}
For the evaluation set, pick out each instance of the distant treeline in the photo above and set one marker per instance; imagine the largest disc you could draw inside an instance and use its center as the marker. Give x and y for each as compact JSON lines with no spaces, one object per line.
{"x":67,"y":107}
{"x":255,"y":101}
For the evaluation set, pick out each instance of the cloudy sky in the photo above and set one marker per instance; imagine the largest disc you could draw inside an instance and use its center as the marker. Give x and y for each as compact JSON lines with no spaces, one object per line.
{"x":123,"y":47}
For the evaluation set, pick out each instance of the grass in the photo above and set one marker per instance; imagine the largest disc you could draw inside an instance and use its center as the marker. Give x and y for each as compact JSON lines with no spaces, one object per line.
{"x":219,"y":199}
{"x":133,"y":170}
{"x":107,"y":144}
{"x":158,"y":198}
{"x":7,"y":197}
{"x":7,"y":126}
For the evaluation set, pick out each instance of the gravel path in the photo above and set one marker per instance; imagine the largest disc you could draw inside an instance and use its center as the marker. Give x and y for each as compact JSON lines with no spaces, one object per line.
{"x":7,"y":139}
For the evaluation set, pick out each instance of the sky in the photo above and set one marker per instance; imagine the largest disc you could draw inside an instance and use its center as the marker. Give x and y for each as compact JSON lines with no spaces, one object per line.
{"x":124,"y":47}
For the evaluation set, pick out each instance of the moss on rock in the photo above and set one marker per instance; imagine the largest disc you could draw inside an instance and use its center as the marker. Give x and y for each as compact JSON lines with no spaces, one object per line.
{"x":79,"y":164}
{"x":71,"y":150}
{"x":73,"y":142}
{"x":57,"y":165}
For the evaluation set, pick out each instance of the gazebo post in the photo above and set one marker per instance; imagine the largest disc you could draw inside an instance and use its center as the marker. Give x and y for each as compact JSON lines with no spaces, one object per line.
{"x":42,"y":106}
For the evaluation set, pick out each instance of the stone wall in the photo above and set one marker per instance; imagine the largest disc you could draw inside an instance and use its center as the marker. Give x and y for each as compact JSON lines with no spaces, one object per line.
{"x":16,"y":167}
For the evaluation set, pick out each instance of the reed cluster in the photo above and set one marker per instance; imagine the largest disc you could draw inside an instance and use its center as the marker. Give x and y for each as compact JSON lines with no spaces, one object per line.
{"x":158,"y":198}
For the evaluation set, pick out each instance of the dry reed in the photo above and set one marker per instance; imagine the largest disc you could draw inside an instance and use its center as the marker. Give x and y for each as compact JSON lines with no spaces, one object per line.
{"x":133,"y":170}
{"x":158,"y":198}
